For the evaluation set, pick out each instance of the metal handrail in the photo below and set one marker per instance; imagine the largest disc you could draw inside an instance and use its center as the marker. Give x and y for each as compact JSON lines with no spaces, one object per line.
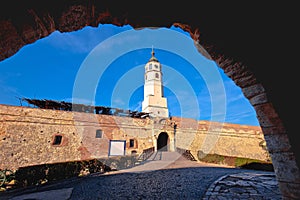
{"x":146,"y":154}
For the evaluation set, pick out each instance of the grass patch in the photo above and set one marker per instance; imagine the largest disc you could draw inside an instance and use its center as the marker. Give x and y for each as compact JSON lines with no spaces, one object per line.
{"x":213,"y":158}
{"x":245,"y":163}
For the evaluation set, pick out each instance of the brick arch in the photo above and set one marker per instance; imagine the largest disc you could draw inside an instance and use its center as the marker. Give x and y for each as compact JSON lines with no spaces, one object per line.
{"x":225,"y":40}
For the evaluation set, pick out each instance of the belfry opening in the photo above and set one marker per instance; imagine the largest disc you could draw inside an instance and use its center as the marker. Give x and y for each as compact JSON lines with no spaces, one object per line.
{"x":163,"y":142}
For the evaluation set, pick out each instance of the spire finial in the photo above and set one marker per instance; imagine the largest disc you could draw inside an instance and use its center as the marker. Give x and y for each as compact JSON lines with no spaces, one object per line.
{"x":152,"y":52}
{"x":153,"y":57}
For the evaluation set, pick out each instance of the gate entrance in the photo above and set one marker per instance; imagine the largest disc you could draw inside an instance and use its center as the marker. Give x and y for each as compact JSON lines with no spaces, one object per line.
{"x":162,"y":142}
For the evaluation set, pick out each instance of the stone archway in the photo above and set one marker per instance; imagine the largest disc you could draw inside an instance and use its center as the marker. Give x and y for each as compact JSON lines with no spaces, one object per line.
{"x":255,"y":44}
{"x":163,"y":142}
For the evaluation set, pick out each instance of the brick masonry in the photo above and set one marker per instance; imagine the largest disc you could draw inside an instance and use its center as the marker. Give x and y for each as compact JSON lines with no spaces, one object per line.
{"x":27,"y":136}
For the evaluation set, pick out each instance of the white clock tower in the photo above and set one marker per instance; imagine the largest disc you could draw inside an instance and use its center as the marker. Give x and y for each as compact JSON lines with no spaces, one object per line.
{"x":154,"y":101}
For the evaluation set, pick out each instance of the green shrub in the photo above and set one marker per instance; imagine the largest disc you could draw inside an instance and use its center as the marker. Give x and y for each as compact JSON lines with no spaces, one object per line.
{"x":37,"y":174}
{"x":31,"y":175}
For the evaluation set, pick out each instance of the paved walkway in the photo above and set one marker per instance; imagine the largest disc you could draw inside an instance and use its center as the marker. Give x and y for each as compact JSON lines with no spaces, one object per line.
{"x":166,"y":175}
{"x":247,"y":185}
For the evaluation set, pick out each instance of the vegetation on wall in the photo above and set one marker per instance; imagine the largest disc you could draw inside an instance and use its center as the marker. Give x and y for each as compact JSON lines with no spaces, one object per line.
{"x":246,"y":163}
{"x":46,"y":173}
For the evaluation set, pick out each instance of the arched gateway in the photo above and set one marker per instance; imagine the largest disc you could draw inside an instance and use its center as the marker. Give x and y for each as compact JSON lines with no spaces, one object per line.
{"x":163,"y":142}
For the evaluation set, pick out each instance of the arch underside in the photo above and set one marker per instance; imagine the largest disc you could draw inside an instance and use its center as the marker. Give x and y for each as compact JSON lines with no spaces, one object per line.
{"x":242,"y":39}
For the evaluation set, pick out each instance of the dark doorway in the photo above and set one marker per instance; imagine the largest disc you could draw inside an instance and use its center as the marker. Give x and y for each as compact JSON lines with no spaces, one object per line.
{"x":162,"y":142}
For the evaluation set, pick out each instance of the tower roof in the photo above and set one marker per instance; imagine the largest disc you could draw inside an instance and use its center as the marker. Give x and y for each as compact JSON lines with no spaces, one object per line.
{"x":153,"y":57}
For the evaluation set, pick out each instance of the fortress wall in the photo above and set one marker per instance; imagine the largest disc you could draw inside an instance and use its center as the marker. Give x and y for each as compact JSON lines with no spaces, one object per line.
{"x":27,"y":135}
{"x":136,"y":129}
{"x":225,"y":139}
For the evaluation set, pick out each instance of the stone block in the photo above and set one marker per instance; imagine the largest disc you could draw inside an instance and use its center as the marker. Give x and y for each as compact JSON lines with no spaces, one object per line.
{"x":289,"y":190}
{"x":267,"y":115}
{"x":258,"y":99}
{"x":253,"y":90}
{"x":285,"y":167}
{"x":277,"y":143}
{"x":279,"y":129}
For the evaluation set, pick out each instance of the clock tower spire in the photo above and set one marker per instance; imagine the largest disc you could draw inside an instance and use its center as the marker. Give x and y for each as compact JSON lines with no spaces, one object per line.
{"x":154,"y":101}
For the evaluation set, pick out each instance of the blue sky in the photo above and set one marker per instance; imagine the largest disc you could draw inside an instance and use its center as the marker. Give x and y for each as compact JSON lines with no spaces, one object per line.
{"x":105,"y":66}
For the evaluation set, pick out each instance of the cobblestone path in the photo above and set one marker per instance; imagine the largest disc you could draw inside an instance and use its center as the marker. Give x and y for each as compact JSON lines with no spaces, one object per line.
{"x":167,"y":175}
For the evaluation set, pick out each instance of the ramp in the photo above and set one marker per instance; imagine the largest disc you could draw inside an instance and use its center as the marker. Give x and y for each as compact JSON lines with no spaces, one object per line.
{"x":158,"y":160}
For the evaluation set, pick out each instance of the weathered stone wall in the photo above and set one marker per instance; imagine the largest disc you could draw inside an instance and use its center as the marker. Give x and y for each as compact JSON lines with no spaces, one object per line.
{"x":27,"y":136}
{"x":232,"y":140}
